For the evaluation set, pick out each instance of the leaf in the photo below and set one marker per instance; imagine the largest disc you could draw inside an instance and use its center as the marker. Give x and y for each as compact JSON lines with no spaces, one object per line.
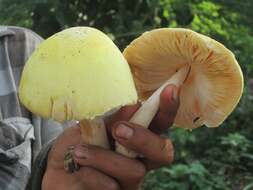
{"x":248,"y":187}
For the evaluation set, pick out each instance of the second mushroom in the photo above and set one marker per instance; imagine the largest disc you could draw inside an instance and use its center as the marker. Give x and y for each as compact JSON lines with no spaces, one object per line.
{"x":207,"y":73}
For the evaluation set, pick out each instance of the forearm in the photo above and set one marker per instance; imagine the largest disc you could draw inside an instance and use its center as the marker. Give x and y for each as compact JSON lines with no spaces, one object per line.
{"x":39,"y":168}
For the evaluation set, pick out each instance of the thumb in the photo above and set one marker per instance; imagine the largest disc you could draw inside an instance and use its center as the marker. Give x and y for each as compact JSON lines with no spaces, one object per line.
{"x":144,"y":142}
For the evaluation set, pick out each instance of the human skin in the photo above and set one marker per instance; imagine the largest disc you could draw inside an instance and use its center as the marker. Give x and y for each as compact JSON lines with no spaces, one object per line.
{"x":106,"y":169}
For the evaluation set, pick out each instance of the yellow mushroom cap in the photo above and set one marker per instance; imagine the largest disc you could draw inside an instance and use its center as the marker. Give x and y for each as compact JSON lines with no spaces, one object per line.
{"x":78,"y":73}
{"x":215,"y":82}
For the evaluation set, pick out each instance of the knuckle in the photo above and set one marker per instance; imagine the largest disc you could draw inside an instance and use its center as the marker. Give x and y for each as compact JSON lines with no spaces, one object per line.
{"x":142,"y":144}
{"x":139,"y":142}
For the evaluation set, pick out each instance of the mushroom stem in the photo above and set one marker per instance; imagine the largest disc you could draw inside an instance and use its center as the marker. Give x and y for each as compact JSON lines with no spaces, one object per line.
{"x":144,"y":115}
{"x":94,"y":132}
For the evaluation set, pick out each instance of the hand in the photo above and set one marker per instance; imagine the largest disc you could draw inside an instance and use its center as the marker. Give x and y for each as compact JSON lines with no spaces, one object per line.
{"x":56,"y":177}
{"x":105,"y":169}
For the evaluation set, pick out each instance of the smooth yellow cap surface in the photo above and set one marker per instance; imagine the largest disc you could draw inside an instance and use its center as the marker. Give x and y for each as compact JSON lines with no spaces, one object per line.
{"x":78,"y":73}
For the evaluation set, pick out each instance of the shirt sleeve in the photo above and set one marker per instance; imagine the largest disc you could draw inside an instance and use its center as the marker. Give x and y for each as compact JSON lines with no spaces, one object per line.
{"x":16,"y":136}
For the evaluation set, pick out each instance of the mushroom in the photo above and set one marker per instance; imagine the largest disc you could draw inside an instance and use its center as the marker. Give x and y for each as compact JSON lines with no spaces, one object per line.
{"x":207,"y":73}
{"x":78,"y":74}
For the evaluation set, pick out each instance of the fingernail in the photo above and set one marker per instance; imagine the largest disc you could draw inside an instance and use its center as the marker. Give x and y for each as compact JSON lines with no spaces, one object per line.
{"x":175,"y":94}
{"x":81,"y":151}
{"x":123,"y":131}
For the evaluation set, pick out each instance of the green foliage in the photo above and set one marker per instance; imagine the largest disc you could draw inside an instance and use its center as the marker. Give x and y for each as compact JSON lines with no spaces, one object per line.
{"x":219,"y":163}
{"x":206,"y":159}
{"x":183,"y":177}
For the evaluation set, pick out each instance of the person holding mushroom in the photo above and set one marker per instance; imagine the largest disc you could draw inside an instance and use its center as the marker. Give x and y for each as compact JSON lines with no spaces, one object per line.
{"x":29,"y":143}
{"x":202,"y":79}
{"x":92,"y":84}
{"x":79,"y":74}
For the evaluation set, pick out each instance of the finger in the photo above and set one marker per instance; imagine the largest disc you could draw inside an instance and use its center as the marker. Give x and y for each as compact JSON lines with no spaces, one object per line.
{"x":129,"y":172}
{"x":92,"y":179}
{"x":169,"y":103}
{"x":144,"y":142}
{"x":61,"y":144}
{"x":124,"y":114}
{"x":151,"y":164}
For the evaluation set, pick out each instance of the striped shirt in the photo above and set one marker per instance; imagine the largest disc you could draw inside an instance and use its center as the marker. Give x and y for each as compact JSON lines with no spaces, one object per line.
{"x":22,"y":134}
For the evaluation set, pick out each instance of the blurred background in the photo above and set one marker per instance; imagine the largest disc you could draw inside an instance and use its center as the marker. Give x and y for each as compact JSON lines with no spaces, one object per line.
{"x":206,"y":159}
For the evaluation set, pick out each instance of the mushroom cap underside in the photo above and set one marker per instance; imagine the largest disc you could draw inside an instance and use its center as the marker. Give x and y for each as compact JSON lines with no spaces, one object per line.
{"x":215,"y":82}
